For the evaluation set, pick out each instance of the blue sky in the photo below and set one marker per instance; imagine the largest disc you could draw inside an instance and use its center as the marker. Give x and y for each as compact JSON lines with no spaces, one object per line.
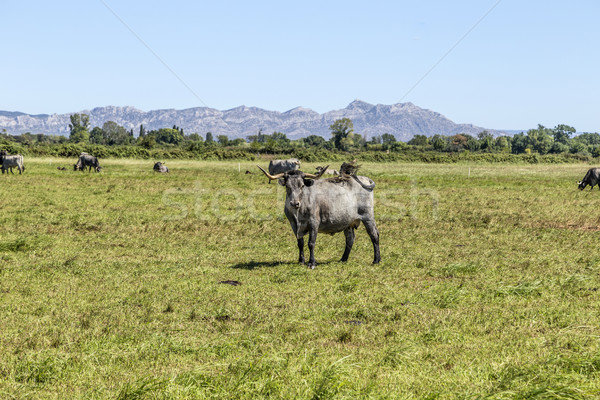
{"x":526,"y":62}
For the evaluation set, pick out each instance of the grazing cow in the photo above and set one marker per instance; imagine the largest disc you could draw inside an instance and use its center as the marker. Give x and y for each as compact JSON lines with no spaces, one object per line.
{"x":591,"y":178}
{"x":327,"y":171}
{"x":328,"y":206}
{"x":10,"y":162}
{"x":87,"y":160}
{"x":160,"y":167}
{"x":279,"y":166}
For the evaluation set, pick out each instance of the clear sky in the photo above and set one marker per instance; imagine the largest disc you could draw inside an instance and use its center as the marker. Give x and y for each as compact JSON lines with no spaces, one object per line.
{"x":526,"y":62}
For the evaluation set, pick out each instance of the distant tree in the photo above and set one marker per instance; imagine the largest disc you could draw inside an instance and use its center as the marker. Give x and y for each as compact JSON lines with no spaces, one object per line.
{"x":376,"y":140}
{"x":439,"y":142}
{"x":115,"y":134}
{"x":559,"y":147}
{"x":579,"y":148}
{"x":486,"y":140}
{"x":237,"y":142}
{"x":562,"y":133}
{"x":588,"y":138}
{"x":280,"y":138}
{"x":502,"y":144}
{"x":194,"y":137}
{"x":519,"y":143}
{"x":223,"y":140}
{"x":472,"y":144}
{"x":419,"y":140}
{"x":388,"y":140}
{"x":540,"y":139}
{"x":209,"y":138}
{"x":342,"y":130}
{"x":314,"y":141}
{"x":142,"y":131}
{"x":78,"y":127}
{"x":97,"y":136}
{"x":168,"y":136}
{"x":458,"y":142}
{"x":148,"y":141}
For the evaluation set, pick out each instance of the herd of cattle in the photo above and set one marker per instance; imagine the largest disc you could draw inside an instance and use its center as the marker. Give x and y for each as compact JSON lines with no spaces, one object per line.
{"x":312,"y":205}
{"x":85,"y":160}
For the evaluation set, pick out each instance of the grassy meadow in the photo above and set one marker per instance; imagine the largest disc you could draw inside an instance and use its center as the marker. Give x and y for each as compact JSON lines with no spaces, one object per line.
{"x":110,"y":286}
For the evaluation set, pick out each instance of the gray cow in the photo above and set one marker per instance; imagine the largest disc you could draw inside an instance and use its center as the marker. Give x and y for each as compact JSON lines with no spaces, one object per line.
{"x":592,"y":178}
{"x":10,"y":162}
{"x":279,"y":166}
{"x":160,"y":167}
{"x":328,"y":206}
{"x":87,"y":160}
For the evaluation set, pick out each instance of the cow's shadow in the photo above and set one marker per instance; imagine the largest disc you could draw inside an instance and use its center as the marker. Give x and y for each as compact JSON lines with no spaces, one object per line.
{"x":250,"y":265}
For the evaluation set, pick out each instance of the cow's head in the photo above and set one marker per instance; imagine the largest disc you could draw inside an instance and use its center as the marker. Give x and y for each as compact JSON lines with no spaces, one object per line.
{"x":582,"y":185}
{"x":294,"y":182}
{"x":98,"y":168}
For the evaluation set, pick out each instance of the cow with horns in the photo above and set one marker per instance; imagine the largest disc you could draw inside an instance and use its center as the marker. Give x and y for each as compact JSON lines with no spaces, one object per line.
{"x":328,"y":206}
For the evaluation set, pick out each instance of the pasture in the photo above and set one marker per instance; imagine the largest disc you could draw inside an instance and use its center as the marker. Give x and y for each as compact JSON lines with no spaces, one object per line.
{"x":110,"y":286}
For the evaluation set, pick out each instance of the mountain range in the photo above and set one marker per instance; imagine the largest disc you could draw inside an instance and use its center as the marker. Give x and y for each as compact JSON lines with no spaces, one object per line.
{"x":403,"y":120}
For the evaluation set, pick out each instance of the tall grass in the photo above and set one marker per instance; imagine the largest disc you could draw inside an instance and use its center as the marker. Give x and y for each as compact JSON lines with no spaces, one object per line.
{"x":111,"y":286}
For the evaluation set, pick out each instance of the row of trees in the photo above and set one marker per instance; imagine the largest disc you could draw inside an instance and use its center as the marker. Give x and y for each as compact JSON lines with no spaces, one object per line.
{"x":540,"y":140}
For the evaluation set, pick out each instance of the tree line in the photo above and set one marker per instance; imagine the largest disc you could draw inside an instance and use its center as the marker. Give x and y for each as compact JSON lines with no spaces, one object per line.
{"x":540,"y":140}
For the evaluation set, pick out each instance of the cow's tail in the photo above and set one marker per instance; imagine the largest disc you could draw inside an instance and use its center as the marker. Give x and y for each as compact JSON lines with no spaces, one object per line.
{"x":369,"y":187}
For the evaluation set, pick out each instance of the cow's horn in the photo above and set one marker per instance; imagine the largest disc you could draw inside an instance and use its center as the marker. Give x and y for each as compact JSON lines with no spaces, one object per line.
{"x":318,"y":175}
{"x":269,"y":175}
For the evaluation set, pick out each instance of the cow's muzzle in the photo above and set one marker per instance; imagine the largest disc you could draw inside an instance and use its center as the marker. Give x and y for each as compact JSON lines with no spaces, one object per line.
{"x":295,"y":204}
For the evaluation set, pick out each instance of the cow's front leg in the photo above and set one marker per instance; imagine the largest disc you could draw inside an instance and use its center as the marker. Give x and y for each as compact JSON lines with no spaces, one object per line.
{"x":301,"y":250}
{"x":312,"y":239}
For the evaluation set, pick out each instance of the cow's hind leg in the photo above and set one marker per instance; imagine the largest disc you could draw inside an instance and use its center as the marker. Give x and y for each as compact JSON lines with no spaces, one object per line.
{"x":312,"y":239}
{"x":349,"y":232}
{"x":301,"y":250}
{"x":374,"y":234}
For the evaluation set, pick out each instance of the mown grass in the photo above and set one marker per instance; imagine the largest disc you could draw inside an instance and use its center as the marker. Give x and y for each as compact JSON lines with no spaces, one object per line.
{"x":110,"y":286}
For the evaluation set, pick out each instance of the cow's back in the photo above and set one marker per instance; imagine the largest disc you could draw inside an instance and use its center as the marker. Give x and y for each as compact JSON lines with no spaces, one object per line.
{"x":340,"y":204}
{"x":594,"y":173}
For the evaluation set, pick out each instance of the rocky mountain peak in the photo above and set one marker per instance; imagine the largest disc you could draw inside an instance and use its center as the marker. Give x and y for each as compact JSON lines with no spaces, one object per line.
{"x":403,"y":120}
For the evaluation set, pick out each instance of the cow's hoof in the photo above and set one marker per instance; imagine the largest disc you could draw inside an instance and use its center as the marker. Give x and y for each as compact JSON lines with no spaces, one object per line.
{"x":376,"y":261}
{"x":311,"y":266}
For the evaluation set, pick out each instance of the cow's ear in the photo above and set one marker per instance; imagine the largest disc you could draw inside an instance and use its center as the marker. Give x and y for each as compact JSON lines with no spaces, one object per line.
{"x":281,"y":181}
{"x":309,"y":182}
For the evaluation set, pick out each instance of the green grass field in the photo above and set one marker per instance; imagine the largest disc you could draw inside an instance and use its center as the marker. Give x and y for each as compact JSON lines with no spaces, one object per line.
{"x":110,"y":286}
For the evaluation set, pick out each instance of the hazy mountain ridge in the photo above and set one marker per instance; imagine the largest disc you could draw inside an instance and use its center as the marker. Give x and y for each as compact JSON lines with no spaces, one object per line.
{"x":403,"y":120}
